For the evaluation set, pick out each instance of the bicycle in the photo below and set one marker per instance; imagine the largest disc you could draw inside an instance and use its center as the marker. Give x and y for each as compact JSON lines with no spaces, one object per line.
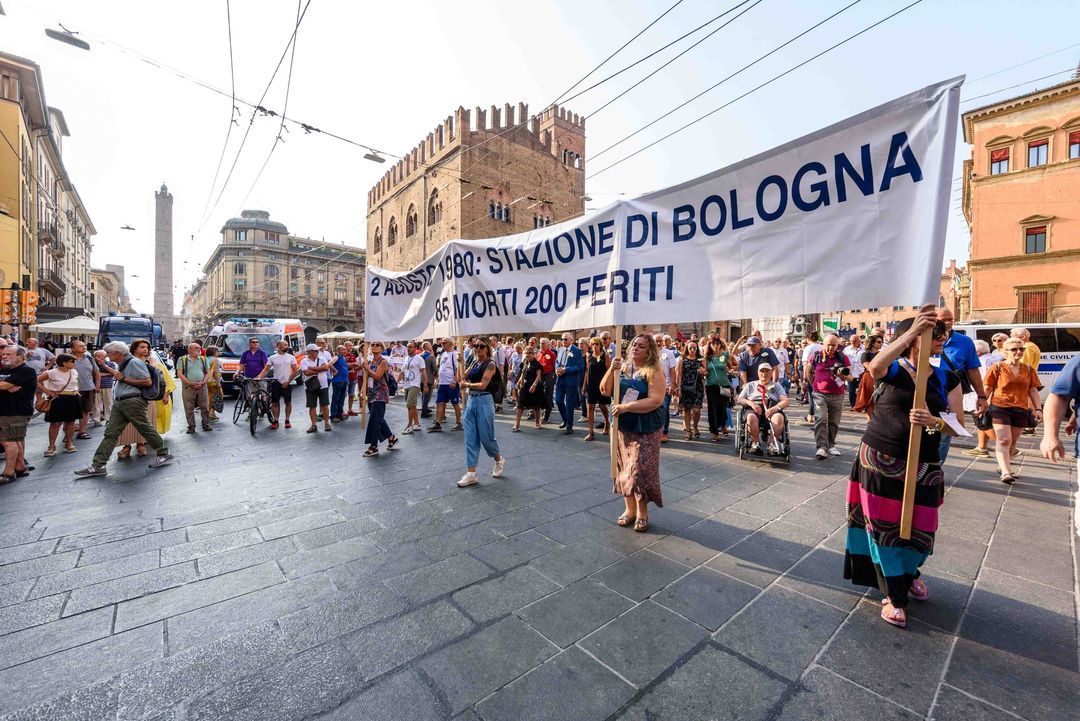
{"x":255,"y":401}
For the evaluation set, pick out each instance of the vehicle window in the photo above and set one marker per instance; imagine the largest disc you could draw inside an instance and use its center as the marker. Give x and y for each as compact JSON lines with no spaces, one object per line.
{"x":1045,"y":338}
{"x":234,"y":344}
{"x":1068,"y":339}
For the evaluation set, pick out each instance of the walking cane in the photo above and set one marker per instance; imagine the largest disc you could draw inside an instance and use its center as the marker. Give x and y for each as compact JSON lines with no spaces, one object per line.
{"x":922,"y":373}
{"x":612,"y":427}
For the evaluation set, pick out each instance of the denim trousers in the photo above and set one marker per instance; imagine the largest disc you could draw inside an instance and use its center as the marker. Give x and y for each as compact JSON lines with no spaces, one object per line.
{"x":479,"y":428}
{"x":337,"y":400}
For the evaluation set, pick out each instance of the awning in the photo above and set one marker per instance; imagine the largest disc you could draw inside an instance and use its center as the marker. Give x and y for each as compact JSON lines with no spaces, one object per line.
{"x":79,"y":325}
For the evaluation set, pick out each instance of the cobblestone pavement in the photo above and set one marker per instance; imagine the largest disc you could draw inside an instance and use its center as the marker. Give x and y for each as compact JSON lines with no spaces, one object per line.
{"x":285,"y":577}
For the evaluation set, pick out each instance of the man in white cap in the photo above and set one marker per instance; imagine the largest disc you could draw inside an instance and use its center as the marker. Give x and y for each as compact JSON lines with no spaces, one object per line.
{"x":316,"y":372}
{"x":766,"y":400}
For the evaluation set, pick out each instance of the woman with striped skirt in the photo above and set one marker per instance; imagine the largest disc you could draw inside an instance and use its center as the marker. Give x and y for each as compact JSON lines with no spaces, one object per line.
{"x":875,"y":553}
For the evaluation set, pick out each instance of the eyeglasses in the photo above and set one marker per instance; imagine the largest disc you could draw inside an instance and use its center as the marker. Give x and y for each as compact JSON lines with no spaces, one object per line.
{"x":1016,"y":350}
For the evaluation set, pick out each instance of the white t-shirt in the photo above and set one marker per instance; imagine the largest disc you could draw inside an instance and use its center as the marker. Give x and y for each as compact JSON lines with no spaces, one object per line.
{"x":414,"y":367}
{"x":855,"y":355}
{"x":668,"y":361}
{"x":307,"y":363}
{"x":38,"y":357}
{"x":448,"y":368}
{"x":810,"y":350}
{"x":783,"y":357}
{"x":281,"y":366}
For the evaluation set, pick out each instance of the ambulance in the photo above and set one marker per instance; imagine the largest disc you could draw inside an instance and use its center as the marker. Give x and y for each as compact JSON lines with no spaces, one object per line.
{"x":232,"y":337}
{"x":1057,"y":343}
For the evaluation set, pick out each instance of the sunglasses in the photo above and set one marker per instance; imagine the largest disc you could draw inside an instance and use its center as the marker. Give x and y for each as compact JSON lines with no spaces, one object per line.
{"x":1016,"y":350}
{"x":480,"y":345}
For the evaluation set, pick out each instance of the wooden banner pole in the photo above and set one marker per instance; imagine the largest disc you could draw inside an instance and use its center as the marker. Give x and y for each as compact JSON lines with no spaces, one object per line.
{"x":911,"y":469}
{"x":613,"y":426}
{"x":461,"y":370}
{"x":363,"y":384}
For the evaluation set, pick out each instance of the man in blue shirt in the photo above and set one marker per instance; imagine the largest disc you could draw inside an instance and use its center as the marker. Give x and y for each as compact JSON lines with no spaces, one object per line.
{"x":569,"y":366}
{"x":959,"y":355}
{"x":1056,"y":409}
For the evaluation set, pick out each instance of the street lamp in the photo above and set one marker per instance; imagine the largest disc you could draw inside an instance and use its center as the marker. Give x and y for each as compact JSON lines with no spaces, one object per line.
{"x":66,"y":36}
{"x":374,"y":157}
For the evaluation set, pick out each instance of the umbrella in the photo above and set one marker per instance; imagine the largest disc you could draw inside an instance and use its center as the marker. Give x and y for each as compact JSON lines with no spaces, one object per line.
{"x":80,"y":325}
{"x":341,"y":335}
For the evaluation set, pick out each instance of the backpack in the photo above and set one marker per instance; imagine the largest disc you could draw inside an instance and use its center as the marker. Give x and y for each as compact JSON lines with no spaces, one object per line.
{"x":391,"y":382}
{"x":867,"y":394}
{"x":156,"y":390}
{"x":205,"y":368}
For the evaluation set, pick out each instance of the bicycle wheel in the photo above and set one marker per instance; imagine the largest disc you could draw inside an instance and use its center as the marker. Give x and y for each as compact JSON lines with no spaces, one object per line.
{"x":239,"y":407}
{"x":268,"y":409}
{"x":253,"y":414}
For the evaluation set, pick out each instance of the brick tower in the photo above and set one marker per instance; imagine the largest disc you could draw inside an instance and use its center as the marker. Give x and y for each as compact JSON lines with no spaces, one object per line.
{"x":163,"y":261}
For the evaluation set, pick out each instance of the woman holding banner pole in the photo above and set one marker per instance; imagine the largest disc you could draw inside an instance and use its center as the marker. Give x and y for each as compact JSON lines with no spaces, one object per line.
{"x":480,"y":380}
{"x":640,"y":417}
{"x":876,"y":555}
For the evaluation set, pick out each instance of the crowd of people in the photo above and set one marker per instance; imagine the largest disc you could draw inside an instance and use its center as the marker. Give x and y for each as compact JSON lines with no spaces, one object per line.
{"x":659,"y":378}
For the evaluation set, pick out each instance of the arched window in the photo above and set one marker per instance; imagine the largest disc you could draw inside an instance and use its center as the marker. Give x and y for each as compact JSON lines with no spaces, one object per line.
{"x":271,"y":271}
{"x":391,"y":232}
{"x":239,"y":269}
{"x":434,"y":208}
{"x":410,"y":222}
{"x":376,"y":245}
{"x":941,"y":301}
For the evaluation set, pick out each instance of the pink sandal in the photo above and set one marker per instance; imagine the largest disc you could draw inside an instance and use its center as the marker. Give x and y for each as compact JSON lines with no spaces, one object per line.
{"x":893,"y":615}
{"x":918,"y":590}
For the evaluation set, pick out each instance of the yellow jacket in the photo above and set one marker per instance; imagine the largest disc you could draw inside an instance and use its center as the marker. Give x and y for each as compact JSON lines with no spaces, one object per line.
{"x":162,"y":410}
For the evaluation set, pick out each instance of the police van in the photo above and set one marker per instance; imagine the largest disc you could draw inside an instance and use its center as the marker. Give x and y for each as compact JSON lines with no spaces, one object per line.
{"x":1057,"y":342}
{"x":232,"y":337}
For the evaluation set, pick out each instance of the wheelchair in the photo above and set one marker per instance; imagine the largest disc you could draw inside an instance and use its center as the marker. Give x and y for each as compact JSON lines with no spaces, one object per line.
{"x":765,"y":451}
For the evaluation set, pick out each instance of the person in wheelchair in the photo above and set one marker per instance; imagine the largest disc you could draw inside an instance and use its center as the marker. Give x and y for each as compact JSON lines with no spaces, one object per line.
{"x":766,"y":400}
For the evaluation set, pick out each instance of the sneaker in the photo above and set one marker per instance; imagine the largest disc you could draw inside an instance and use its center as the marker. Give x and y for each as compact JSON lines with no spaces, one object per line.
{"x":417,"y":427}
{"x":834,"y":451}
{"x":976,"y":452}
{"x":353,"y":413}
{"x":562,"y":426}
{"x":458,"y":427}
{"x":191,"y":429}
{"x":273,"y":426}
{"x":499,"y":466}
{"x":91,"y":471}
{"x":755,"y":448}
{"x":435,"y":428}
{"x":162,"y":461}
{"x":208,"y":429}
{"x":822,"y":454}
{"x":469,"y":479}
{"x":288,"y":424}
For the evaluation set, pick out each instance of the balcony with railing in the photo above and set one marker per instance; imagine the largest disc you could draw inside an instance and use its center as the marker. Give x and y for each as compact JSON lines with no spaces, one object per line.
{"x":47,"y":232}
{"x":49,"y":281}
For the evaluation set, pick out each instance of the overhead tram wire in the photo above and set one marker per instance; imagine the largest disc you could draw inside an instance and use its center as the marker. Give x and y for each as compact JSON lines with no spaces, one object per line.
{"x":1026,"y":62}
{"x":284,"y":109}
{"x":676,"y":57}
{"x":622,"y":47}
{"x":744,"y":68}
{"x":251,"y":121}
{"x":762,"y":85}
{"x":1018,"y":85}
{"x":233,"y":110}
{"x":754,"y":89}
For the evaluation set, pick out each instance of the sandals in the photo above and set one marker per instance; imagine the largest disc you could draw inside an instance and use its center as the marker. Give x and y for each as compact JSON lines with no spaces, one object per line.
{"x":50,"y":452}
{"x":892,"y":615}
{"x":124,"y":454}
{"x":918,"y":590}
{"x":1008,"y":479}
{"x":625,"y":520}
{"x":392,"y":442}
{"x":83,"y":436}
{"x":140,"y":451}
{"x":4,"y":480}
{"x":517,"y":429}
{"x":313,"y":429}
{"x":70,"y":448}
{"x":371,"y":452}
{"x":641,"y":525}
{"x":589,"y":436}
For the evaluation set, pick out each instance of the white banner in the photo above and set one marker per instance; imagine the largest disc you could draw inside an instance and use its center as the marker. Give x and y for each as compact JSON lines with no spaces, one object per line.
{"x":851,"y":216}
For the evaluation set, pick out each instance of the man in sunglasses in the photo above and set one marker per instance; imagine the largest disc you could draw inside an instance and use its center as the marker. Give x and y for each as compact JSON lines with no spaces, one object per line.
{"x":960,"y":359}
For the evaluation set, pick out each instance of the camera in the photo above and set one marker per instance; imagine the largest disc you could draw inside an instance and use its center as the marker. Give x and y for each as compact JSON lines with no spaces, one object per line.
{"x":841,"y":371}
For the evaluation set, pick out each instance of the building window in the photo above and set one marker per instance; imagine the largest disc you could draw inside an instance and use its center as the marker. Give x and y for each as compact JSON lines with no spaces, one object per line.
{"x":341,"y":294}
{"x":1035,"y":240}
{"x":541,"y":221}
{"x":239,"y":269}
{"x":321,"y":277}
{"x":307,"y":290}
{"x":871,"y":310}
{"x":410,"y":222}
{"x":241,"y":236}
{"x":434,"y":208}
{"x":1074,"y":145}
{"x":1034,"y":306}
{"x":308,"y":261}
{"x":271,"y":271}
{"x":340,"y":279}
{"x":239,"y":285}
{"x":294,"y":273}
{"x":1037,"y":151}
{"x":322,"y":291}
{"x":293,"y":290}
{"x":240,"y":254}
{"x":391,"y":233}
{"x":499,"y":211}
{"x":999,"y":161}
{"x":273,"y":238}
{"x":941,"y":301}
{"x":271,"y":256}
{"x":941,"y":304}
{"x":272,"y":286}
{"x":376,"y":245}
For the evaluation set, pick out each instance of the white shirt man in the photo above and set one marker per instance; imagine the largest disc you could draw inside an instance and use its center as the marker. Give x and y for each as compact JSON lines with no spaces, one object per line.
{"x":854,"y":353}
{"x":781,"y":355}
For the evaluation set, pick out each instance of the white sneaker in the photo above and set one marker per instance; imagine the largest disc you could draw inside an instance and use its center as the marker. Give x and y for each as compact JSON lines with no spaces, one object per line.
{"x":417,"y":427}
{"x":408,"y":430}
{"x":499,"y":466}
{"x":834,"y":451}
{"x":469,"y":479}
{"x":821,"y":454}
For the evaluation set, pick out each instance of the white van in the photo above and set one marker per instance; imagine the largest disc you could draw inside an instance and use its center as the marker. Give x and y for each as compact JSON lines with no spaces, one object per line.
{"x":1058,"y":343}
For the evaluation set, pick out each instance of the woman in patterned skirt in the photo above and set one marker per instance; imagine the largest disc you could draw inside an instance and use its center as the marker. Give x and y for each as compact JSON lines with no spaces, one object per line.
{"x":640,"y":421}
{"x":875,"y":553}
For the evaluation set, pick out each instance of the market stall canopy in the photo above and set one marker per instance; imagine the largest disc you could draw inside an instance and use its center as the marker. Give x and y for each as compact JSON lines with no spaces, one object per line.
{"x":80,"y":325}
{"x":341,"y":335}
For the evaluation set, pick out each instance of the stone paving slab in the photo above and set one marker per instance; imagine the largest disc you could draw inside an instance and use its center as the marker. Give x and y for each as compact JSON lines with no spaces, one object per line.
{"x":285,"y":577}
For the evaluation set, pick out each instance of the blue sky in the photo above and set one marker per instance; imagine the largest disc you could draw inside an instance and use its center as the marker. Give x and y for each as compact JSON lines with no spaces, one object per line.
{"x":385,"y":73}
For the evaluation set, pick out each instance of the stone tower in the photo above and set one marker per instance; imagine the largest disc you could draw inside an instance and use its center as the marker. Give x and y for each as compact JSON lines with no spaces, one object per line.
{"x":163,"y":261}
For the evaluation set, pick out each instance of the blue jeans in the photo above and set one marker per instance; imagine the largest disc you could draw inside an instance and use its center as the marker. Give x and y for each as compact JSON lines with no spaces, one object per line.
{"x":943,"y":448}
{"x":337,"y":400}
{"x":479,"y":428}
{"x":566,"y":398}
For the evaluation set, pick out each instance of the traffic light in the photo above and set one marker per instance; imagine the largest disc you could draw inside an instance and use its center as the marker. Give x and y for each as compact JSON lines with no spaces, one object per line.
{"x":7,"y":309}
{"x":28,"y":307}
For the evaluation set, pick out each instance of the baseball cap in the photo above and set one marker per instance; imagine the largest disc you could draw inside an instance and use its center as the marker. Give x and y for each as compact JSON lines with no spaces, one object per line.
{"x":311,"y":347}
{"x":764,"y":367}
{"x":753,"y":340}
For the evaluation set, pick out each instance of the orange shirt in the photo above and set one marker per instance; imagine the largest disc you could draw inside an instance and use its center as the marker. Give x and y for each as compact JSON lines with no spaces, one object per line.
{"x":1008,"y":390}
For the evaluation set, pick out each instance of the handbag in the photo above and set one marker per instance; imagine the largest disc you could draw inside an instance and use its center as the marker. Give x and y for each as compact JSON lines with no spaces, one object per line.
{"x":43,"y":405}
{"x":984,"y":422}
{"x":312,"y":384}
